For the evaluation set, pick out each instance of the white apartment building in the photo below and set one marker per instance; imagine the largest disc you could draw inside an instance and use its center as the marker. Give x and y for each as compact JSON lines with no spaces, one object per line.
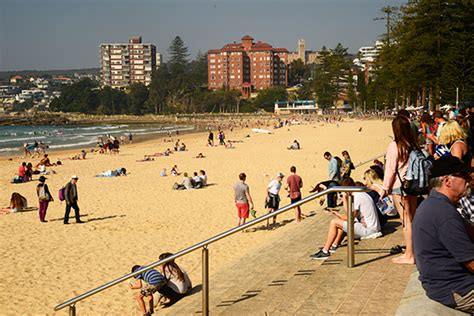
{"x":122,"y":64}
{"x":368,"y":54}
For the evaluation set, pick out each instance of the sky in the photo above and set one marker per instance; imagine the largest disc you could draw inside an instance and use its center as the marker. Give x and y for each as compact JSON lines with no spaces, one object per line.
{"x":65,"y":34}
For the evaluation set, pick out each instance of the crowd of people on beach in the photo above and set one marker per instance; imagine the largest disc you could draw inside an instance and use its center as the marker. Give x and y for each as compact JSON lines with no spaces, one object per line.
{"x":430,"y":160}
{"x":430,"y":152}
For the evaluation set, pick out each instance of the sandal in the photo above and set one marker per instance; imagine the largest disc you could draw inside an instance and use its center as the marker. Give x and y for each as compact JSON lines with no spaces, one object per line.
{"x":396,"y":250}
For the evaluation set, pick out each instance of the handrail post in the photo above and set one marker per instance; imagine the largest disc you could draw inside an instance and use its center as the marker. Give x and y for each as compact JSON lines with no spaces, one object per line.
{"x":205,"y":244}
{"x":72,"y":310}
{"x":205,"y":281}
{"x":350,"y":230}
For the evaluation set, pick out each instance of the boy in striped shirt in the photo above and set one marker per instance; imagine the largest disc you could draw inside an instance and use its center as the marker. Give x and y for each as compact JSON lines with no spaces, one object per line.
{"x":148,"y":283}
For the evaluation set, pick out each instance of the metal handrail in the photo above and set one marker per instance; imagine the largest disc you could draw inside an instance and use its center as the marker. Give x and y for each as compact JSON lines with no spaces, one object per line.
{"x":369,"y":160}
{"x":204,"y":244}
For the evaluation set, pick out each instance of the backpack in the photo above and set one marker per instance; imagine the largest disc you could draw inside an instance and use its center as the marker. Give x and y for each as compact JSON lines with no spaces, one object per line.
{"x":416,"y":180}
{"x":42,"y":195}
{"x":62,"y":194}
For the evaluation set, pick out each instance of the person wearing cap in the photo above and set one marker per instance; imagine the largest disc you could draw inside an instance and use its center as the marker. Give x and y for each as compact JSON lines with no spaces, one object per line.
{"x":443,"y":240}
{"x":44,"y":197}
{"x":70,"y":194}
{"x":272,"y":202}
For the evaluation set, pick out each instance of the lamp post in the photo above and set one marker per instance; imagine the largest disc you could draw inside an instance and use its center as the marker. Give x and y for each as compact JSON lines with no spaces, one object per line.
{"x":457,"y":98}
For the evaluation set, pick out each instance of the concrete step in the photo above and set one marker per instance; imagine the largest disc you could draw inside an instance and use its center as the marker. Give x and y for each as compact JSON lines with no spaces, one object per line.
{"x":279,"y":277}
{"x":249,"y":275}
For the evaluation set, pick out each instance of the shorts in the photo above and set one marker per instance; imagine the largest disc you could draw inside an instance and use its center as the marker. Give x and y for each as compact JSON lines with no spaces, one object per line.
{"x":397,"y":191}
{"x":149,"y":289}
{"x":359,"y":230}
{"x":242,"y":210}
{"x":295,"y":199}
{"x":273,"y":202}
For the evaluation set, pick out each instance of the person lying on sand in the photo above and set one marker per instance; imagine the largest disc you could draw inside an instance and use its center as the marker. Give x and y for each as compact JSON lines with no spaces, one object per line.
{"x":146,"y":158}
{"x":80,"y":156}
{"x":113,"y":173}
{"x":200,"y":155}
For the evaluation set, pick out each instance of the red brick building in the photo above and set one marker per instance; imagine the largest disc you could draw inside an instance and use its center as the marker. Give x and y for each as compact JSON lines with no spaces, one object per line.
{"x":247,"y":66}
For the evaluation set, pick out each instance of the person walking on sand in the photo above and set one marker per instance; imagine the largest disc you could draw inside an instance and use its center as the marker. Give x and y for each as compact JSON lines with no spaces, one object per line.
{"x":272,"y":202}
{"x":210,"y":139}
{"x":44,"y":197}
{"x":294,"y":183}
{"x":242,"y":198}
{"x":70,"y":194}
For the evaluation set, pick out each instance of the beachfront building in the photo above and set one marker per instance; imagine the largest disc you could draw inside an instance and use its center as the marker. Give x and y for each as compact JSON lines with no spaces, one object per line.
{"x":297,"y":106}
{"x":306,"y":56}
{"x":247,"y":66}
{"x":366,"y":57}
{"x":122,"y":64}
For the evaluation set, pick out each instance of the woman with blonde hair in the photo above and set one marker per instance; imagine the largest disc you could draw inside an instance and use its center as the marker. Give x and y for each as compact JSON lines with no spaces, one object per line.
{"x":375,"y":183}
{"x":454,"y":138}
{"x":398,"y":152}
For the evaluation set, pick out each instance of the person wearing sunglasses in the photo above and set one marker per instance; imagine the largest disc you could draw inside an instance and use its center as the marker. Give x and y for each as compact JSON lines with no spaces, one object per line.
{"x":443,"y":240}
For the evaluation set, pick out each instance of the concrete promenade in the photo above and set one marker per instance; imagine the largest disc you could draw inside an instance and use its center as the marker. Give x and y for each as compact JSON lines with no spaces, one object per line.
{"x":280,"y":278}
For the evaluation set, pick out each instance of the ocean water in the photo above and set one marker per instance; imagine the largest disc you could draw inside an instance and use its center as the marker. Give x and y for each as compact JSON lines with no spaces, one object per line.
{"x":12,"y":137}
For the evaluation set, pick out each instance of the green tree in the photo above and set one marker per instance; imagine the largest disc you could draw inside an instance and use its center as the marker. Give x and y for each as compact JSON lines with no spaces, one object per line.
{"x":81,"y":97}
{"x":323,"y":85}
{"x":298,"y":72}
{"x":267,"y":97}
{"x":112,"y":101}
{"x":137,"y":97}
{"x":158,"y":91}
{"x":198,"y":71}
{"x":178,"y":57}
{"x":431,"y":54}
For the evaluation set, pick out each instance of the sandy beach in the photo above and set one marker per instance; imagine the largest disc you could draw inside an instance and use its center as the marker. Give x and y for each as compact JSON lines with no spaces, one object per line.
{"x":131,"y":220}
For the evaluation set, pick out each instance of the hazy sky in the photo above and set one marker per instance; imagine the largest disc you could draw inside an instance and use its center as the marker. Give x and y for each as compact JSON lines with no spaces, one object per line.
{"x":65,"y":34}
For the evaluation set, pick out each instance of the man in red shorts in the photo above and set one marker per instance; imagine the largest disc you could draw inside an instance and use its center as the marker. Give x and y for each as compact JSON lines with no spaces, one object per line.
{"x":242,"y":199}
{"x":294,"y":183}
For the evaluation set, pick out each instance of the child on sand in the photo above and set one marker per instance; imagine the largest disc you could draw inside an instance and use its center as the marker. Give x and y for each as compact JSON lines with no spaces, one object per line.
{"x":148,"y":283}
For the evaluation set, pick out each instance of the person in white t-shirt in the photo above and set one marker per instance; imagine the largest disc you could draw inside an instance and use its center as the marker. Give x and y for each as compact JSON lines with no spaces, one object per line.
{"x":272,"y":201}
{"x":366,"y":224}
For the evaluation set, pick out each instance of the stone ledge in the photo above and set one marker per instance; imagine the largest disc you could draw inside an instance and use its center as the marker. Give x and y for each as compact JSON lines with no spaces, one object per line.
{"x":415,"y":302}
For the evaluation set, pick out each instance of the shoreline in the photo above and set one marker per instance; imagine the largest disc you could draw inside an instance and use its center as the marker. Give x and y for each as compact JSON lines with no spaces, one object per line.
{"x":195,"y":123}
{"x":75,"y":148}
{"x":62,"y":118}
